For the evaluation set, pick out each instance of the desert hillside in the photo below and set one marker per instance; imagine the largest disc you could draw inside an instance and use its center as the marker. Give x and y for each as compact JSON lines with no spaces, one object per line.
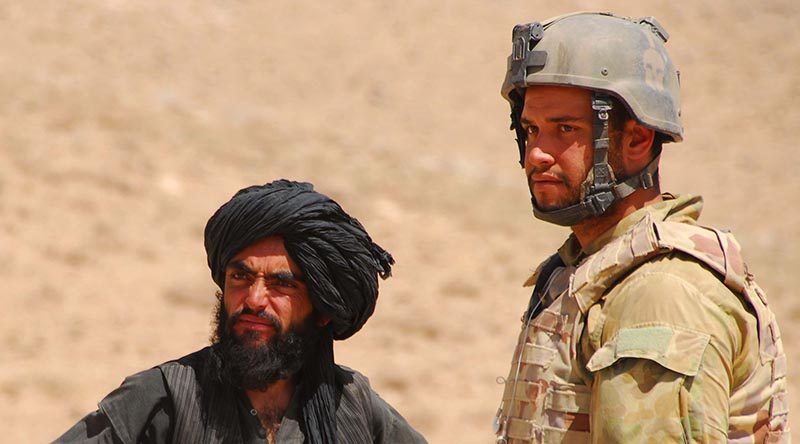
{"x":126,"y":124}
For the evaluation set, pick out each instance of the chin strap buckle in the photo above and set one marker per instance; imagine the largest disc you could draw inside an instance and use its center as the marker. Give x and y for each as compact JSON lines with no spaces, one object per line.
{"x":646,"y":179}
{"x":602,"y":104}
{"x":599,"y":202}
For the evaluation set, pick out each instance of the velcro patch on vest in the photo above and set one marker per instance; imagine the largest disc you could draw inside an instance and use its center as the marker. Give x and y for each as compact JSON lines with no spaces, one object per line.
{"x":769,"y":335}
{"x":564,"y":421}
{"x":761,"y":294}
{"x":551,"y":321}
{"x":677,"y":349}
{"x":538,"y":355}
{"x":774,"y":330}
{"x":522,"y":429}
{"x":779,"y":367}
{"x":777,"y":438}
{"x":779,"y":405}
{"x":526,"y":391}
{"x":569,"y":401}
{"x":768,"y":348}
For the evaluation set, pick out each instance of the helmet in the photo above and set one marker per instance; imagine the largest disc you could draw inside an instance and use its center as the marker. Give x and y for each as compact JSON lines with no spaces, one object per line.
{"x":615,"y":57}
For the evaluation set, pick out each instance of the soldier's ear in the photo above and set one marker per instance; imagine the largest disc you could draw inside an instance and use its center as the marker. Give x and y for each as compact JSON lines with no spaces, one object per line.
{"x":637,"y":144}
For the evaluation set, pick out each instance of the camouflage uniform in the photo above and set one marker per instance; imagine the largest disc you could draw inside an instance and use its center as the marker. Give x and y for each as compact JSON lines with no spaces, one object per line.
{"x":655,"y":332}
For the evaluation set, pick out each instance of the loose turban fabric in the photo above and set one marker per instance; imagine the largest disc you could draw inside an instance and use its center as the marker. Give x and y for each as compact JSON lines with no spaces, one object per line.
{"x":339,"y":261}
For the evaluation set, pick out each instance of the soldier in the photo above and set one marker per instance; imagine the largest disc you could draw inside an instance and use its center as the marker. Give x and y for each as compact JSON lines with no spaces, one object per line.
{"x":645,"y":325}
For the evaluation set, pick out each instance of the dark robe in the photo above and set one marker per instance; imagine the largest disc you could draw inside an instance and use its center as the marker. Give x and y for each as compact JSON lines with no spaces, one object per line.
{"x":181,"y":402}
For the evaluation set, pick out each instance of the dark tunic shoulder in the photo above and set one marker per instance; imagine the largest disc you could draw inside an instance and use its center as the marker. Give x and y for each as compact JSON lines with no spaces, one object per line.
{"x":386,"y":424}
{"x":140,"y":411}
{"x":177,"y":399}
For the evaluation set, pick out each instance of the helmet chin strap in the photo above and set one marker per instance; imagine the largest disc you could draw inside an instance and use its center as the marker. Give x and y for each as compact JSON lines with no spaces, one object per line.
{"x":600,"y":189}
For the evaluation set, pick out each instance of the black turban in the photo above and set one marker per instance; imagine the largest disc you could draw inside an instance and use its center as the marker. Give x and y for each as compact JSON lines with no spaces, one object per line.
{"x":340,"y":264}
{"x":339,"y":261}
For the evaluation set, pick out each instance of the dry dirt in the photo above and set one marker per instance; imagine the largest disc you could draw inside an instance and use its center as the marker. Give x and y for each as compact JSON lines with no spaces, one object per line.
{"x":126,"y":124}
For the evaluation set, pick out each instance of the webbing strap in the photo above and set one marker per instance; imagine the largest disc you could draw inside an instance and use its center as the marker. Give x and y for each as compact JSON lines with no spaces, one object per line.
{"x":602,"y":175}
{"x":647,"y":178}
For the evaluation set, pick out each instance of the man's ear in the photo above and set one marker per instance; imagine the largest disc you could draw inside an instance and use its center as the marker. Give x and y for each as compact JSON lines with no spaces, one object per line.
{"x":637,"y":145}
{"x":323,"y":320}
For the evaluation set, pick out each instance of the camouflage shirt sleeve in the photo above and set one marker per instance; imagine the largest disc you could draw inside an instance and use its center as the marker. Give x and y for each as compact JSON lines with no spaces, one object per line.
{"x":664,"y":348}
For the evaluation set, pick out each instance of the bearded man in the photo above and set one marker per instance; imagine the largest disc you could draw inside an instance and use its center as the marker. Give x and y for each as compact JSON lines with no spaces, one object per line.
{"x":295,"y":273}
{"x":645,"y":326}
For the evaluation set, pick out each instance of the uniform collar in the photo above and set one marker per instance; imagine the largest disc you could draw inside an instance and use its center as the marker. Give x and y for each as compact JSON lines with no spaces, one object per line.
{"x":686,"y":209}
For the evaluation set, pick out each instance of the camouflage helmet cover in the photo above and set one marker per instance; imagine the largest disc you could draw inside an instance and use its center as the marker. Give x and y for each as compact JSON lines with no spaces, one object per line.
{"x":602,"y":52}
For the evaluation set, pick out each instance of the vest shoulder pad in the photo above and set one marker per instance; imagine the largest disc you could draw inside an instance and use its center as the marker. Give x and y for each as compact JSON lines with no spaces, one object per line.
{"x":715,"y":248}
{"x":648,"y":239}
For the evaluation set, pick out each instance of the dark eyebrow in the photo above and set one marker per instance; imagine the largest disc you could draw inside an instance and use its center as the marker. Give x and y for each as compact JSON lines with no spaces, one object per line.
{"x":559,"y":119}
{"x":285,"y":275}
{"x":241,"y":266}
{"x":562,"y":119}
{"x":281,"y":275}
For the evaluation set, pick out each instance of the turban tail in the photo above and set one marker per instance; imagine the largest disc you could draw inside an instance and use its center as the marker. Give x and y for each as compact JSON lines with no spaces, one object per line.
{"x":339,"y":261}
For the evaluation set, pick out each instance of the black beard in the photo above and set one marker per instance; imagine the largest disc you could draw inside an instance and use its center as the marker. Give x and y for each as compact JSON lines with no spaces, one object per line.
{"x":257,"y":366}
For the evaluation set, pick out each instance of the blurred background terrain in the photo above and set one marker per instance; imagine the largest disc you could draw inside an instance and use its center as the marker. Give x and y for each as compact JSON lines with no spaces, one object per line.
{"x":126,"y":124}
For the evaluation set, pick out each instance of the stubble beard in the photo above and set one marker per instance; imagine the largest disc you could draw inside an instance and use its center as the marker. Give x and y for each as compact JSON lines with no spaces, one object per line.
{"x":572,"y":197}
{"x":575,"y":191}
{"x":251,"y":364}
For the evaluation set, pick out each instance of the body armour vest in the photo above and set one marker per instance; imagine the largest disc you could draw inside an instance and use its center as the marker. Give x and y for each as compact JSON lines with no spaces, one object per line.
{"x":547,"y":398}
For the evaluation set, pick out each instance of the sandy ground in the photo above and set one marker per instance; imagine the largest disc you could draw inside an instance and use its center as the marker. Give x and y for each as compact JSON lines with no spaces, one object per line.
{"x":126,"y":124}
